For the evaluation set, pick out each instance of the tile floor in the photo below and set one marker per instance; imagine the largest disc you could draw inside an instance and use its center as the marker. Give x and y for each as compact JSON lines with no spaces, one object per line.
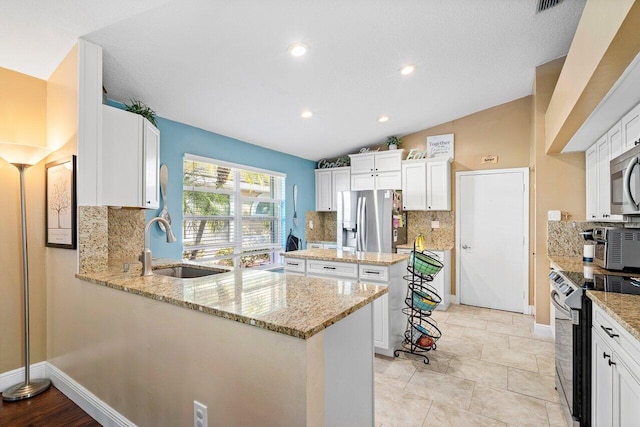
{"x":489,"y":369}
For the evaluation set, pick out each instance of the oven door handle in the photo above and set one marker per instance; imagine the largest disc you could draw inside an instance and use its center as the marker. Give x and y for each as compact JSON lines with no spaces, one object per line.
{"x":626,"y":182}
{"x":554,"y":301}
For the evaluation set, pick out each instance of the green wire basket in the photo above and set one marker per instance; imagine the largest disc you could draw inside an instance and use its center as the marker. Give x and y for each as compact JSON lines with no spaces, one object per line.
{"x":424,"y":264}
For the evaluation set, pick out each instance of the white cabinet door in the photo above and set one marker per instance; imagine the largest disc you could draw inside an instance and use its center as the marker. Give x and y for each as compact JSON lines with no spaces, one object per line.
{"x":363,"y":181}
{"x":601,"y":383}
{"x":324,"y":197}
{"x":388,"y":180}
{"x":591,"y":157}
{"x":414,"y":185}
{"x":602,"y":174}
{"x":439,"y":185}
{"x":341,"y":181}
{"x":130,"y":157}
{"x":151,"y":195}
{"x":627,"y":396}
{"x":381,"y":322}
{"x":630,"y":125}
{"x":388,"y":161}
{"x":362,"y":163}
{"x":614,"y":139}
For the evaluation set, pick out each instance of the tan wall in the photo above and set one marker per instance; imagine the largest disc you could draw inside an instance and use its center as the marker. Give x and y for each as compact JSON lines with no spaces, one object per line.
{"x":606,"y":41}
{"x":503,"y":131}
{"x":22,"y":120}
{"x":559,"y":181}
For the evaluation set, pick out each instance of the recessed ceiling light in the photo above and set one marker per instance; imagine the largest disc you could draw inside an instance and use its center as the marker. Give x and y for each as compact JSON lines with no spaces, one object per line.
{"x":383,"y":119}
{"x":407,"y":69}
{"x":306,"y":114}
{"x":298,"y":49}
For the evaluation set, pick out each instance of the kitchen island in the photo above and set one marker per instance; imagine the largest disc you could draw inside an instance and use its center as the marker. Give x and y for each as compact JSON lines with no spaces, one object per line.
{"x":257,"y":348}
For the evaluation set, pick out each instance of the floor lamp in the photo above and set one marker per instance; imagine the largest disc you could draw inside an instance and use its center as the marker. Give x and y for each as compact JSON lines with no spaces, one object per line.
{"x":23,"y":156}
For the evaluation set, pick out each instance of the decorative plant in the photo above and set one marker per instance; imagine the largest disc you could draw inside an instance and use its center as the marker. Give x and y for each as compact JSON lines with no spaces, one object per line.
{"x":141,"y":108}
{"x":394,"y":140}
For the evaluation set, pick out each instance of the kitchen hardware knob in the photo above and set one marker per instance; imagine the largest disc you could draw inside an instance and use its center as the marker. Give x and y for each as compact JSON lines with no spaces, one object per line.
{"x":636,"y":142}
{"x":611,"y":363}
{"x":605,"y":355}
{"x":609,"y":332}
{"x":466,"y":247}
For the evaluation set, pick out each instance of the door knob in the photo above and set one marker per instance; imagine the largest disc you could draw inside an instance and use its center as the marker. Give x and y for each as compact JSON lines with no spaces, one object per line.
{"x":466,"y":247}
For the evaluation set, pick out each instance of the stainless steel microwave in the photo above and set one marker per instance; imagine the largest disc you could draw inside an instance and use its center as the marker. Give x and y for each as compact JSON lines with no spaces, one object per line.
{"x":625,"y":182}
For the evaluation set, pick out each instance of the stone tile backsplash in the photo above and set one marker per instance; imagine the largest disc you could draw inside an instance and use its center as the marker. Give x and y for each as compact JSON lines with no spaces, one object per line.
{"x":126,"y":234}
{"x":564,"y":238}
{"x":93,"y":242}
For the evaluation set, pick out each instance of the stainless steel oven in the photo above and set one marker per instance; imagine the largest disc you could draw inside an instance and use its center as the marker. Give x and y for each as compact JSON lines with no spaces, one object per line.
{"x":625,"y":182}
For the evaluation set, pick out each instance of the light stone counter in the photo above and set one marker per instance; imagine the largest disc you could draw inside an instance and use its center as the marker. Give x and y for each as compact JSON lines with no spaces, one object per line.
{"x":575,"y":264}
{"x":428,"y":248}
{"x":345,"y":256}
{"x":293,"y":305}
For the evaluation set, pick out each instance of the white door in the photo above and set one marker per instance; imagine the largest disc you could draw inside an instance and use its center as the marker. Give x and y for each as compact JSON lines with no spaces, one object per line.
{"x":492,"y":238}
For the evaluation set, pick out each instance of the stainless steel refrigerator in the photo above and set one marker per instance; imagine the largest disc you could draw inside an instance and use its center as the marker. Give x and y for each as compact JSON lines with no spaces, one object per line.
{"x":371,"y":221}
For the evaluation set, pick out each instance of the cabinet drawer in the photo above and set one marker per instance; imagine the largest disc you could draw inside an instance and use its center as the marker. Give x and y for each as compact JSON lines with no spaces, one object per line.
{"x":329,"y":268}
{"x":294,"y":264}
{"x":608,"y":328}
{"x":376,"y":273}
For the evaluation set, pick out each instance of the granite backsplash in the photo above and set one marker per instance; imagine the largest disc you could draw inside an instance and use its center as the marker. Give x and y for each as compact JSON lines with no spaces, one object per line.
{"x":564,"y":238}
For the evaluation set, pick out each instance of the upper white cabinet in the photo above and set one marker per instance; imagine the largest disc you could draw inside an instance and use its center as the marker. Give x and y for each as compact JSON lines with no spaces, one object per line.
{"x":614,"y":140}
{"x":630,"y":126}
{"x":130,"y":159}
{"x":328,"y":183}
{"x":376,"y":171}
{"x":426,"y":184}
{"x":599,"y":181}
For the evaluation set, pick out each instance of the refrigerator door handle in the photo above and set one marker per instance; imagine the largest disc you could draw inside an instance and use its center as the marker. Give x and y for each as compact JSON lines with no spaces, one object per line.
{"x":365,"y":237}
{"x":359,"y":225}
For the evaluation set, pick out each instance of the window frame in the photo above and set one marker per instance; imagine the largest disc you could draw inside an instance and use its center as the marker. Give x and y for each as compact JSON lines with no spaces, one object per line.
{"x":237,"y":217}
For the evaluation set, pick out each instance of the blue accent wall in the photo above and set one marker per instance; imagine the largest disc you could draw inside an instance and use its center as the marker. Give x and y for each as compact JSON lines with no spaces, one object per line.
{"x":176,"y":139}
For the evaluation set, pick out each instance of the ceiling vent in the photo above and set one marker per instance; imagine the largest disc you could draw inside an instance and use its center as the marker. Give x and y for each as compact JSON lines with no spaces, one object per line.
{"x":547,"y":4}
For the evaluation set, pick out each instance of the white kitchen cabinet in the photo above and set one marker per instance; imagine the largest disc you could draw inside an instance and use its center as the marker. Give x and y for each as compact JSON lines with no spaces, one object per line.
{"x":328,"y":183}
{"x":614,"y":140}
{"x":598,"y":182}
{"x":630,"y":126}
{"x":426,"y":184}
{"x":615,"y":373}
{"x":130,"y":160}
{"x":376,"y":171}
{"x":388,"y":320}
{"x":442,"y":281}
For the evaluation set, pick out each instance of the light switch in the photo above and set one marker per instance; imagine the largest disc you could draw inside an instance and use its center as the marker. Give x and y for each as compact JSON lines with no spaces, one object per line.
{"x":311,"y":225}
{"x":435,"y":224}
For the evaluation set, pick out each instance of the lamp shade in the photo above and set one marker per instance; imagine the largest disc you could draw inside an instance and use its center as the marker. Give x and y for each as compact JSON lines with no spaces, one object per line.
{"x":22,"y":154}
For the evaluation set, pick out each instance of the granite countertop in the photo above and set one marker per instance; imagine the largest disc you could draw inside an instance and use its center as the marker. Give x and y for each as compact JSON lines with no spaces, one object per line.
{"x":576,"y":265}
{"x":428,"y":248}
{"x":298,"y":306}
{"x":345,"y":256}
{"x":625,"y":309}
{"x":324,"y":242}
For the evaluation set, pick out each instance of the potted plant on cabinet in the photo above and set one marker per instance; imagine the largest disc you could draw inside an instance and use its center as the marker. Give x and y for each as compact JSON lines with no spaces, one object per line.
{"x":139,"y":107}
{"x":393,"y":142}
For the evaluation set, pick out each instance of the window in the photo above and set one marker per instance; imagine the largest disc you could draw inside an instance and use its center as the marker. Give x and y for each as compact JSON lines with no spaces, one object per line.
{"x":233,"y":215}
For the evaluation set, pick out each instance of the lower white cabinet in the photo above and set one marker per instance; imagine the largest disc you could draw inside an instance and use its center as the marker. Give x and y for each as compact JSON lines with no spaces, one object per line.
{"x":615,"y":373}
{"x":388,"y":320}
{"x":442,"y":282}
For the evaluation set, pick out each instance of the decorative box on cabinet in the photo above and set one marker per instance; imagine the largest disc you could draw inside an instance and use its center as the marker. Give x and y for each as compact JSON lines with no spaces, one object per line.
{"x":376,"y":171}
{"x":130,"y":159}
{"x":426,"y":184}
{"x":328,"y":183}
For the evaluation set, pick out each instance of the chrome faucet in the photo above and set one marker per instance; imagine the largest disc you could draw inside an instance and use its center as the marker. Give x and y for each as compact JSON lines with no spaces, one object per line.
{"x":145,"y":257}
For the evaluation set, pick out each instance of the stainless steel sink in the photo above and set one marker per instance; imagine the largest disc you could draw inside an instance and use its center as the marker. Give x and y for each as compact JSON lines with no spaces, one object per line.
{"x":188,"y":272}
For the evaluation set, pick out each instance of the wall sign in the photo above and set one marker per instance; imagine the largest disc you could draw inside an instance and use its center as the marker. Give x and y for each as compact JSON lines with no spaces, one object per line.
{"x":440,"y":145}
{"x":417,"y":153}
{"x":341,"y":161}
{"x":490,"y":159}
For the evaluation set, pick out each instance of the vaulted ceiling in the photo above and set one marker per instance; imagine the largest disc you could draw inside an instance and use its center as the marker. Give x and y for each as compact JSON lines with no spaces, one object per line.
{"x":224,"y":66}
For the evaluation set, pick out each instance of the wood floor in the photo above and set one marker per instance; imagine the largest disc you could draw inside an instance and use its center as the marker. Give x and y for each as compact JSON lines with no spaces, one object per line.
{"x":51,"y":408}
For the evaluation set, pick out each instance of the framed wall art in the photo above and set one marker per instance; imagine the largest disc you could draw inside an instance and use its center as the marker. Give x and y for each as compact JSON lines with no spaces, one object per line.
{"x":60,"y":185}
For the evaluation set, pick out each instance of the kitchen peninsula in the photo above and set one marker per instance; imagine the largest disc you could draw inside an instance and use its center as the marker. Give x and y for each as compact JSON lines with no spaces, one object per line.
{"x":258,"y":348}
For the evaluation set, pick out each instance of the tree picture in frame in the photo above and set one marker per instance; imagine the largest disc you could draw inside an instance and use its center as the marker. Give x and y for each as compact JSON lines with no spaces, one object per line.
{"x":60,"y":185}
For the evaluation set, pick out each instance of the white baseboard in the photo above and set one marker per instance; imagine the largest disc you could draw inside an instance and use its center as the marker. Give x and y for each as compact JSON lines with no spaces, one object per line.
{"x":90,"y":403}
{"x":454,"y":299}
{"x":9,"y":378}
{"x":532,"y":310}
{"x":542,"y":330}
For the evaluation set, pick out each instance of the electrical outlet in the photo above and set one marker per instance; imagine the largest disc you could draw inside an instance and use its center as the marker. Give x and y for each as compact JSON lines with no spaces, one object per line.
{"x":199,"y":414}
{"x":435,"y":224}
